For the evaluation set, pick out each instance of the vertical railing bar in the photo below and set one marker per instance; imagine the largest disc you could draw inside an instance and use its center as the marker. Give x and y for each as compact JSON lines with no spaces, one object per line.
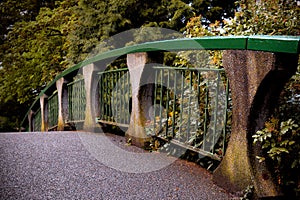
{"x":122,"y":101}
{"x":71,"y":102}
{"x":129,"y":93}
{"x":167,"y":103}
{"x":108,"y":103}
{"x":115,"y":89}
{"x":74,"y":101}
{"x":119,"y":112}
{"x":225,"y":116}
{"x":161,"y":99}
{"x":106,"y":99}
{"x":123,"y":93}
{"x":154,"y":103}
{"x":174,"y":103}
{"x":216,"y":112}
{"x":206,"y":114}
{"x":189,"y":107}
{"x":78,"y":100}
{"x":118,"y":98}
{"x":181,"y":103}
{"x":83,"y":100}
{"x":198,"y":97}
{"x":69,"y":105}
{"x":101,"y":96}
{"x":111,"y":97}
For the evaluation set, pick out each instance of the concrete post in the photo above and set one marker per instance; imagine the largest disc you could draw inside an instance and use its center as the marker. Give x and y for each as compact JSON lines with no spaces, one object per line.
{"x":91,"y":87}
{"x":136,"y":132}
{"x":142,"y":95}
{"x":30,"y":121}
{"x":44,"y":113}
{"x":61,"y":110}
{"x":256,"y":79}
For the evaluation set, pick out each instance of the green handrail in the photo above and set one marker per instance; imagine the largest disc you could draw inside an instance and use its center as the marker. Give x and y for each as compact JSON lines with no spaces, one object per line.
{"x":276,"y":44}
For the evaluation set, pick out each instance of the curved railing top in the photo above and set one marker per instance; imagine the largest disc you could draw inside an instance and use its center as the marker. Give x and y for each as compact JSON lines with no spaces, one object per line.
{"x":276,"y":44}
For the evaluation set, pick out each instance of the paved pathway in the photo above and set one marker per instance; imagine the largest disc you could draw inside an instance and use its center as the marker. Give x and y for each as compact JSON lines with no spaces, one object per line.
{"x":76,"y":165}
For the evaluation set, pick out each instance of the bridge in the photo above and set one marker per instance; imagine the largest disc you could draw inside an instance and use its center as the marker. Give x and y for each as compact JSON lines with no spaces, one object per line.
{"x":188,"y":107}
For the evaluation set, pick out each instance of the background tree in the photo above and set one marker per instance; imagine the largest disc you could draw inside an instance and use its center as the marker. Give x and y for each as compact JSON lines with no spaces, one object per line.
{"x":98,"y":20}
{"x":32,"y":55}
{"x":39,"y":39}
{"x":15,"y":11}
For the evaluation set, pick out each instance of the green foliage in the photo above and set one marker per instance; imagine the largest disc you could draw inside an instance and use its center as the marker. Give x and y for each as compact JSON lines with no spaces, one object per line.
{"x":6,"y":125}
{"x":280,"y":136}
{"x":268,"y":17}
{"x":115,"y":95}
{"x":188,"y":112}
{"x":32,"y":55}
{"x":16,"y":11}
{"x":39,"y":39}
{"x":99,"y":20}
{"x":281,"y":143}
{"x":279,"y":139}
{"x":248,"y":193}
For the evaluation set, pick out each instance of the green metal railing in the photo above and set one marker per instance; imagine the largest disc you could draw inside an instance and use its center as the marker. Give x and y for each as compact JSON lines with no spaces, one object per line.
{"x":77,"y":101}
{"x":37,"y":120}
{"x":53,"y":110}
{"x":114,"y":97}
{"x":190,"y":108}
{"x":276,"y":44}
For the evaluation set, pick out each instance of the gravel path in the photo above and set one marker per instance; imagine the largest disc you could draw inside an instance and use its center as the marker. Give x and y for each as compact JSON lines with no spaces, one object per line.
{"x":70,"y":165}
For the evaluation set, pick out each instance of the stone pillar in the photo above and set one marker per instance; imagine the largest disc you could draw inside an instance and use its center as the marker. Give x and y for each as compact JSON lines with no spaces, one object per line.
{"x":256,"y":79}
{"x":91,"y":88}
{"x":142,"y":83}
{"x":62,"y":97}
{"x":30,"y":121}
{"x":136,"y":131}
{"x":44,"y":113}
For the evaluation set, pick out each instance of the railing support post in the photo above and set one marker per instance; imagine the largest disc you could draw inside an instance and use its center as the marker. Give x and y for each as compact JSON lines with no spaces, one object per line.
{"x":142,"y":83}
{"x":44,"y":113}
{"x":256,"y":79}
{"x":62,"y":103}
{"x":30,"y":121}
{"x":91,"y":87}
{"x":136,"y":131}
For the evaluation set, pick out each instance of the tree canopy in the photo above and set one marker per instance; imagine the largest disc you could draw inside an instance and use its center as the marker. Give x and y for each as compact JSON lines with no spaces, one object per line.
{"x":39,"y":39}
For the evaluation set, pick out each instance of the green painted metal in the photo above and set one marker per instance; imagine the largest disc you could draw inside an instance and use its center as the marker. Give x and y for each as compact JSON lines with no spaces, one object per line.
{"x":37,"y":120}
{"x":53,"y":110}
{"x":192,"y":108}
{"x":114,"y":97}
{"x":278,"y":44}
{"x":77,"y":101}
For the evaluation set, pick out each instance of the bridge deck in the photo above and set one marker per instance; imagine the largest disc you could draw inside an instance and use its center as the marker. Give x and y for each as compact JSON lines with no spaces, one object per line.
{"x":60,"y":165}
